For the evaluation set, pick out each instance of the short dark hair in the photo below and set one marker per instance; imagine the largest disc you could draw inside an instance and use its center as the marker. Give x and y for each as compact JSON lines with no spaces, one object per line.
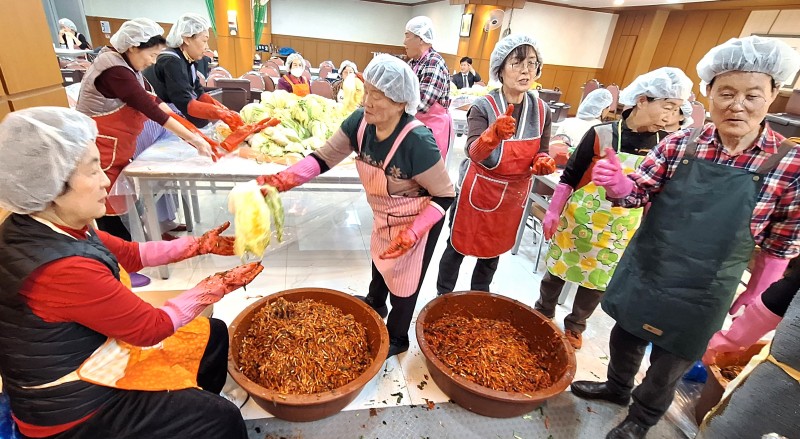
{"x":771,"y":82}
{"x":466,"y":59}
{"x":519,"y":52}
{"x":157,"y":40}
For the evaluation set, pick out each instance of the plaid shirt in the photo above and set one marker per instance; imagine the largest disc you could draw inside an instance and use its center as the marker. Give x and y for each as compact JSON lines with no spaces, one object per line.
{"x":434,"y":80}
{"x":775,"y":223}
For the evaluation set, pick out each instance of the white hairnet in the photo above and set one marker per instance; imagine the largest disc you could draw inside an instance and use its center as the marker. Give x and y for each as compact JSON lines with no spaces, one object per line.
{"x":66,"y":22}
{"x":291,"y":58}
{"x":41,"y":147}
{"x":663,"y":83}
{"x":422,"y":27}
{"x":750,"y":54}
{"x":346,"y":63}
{"x":687,"y":110}
{"x":135,"y":32}
{"x":188,"y":25}
{"x":395,"y":79}
{"x":594,"y":103}
{"x":507,"y":45}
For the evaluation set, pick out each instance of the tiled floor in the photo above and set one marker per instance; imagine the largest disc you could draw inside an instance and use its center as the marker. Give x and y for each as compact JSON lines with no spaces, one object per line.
{"x":328,"y":246}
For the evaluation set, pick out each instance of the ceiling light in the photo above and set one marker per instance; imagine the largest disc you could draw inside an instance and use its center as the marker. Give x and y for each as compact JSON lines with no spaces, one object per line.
{"x":619,"y":2}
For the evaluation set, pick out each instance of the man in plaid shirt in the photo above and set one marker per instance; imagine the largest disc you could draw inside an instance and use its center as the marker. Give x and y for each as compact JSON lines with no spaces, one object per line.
{"x":716,"y":192}
{"x":434,"y":81}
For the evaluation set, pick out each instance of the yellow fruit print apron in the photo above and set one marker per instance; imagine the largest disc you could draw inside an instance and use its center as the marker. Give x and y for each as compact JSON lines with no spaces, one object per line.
{"x":592,"y":233}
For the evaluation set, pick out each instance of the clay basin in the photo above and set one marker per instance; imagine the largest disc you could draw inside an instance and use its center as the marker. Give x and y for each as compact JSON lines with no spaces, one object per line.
{"x":313,"y":406}
{"x":538,"y":329}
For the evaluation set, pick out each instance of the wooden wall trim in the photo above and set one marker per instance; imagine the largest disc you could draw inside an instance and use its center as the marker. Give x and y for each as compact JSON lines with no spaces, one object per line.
{"x":99,"y":39}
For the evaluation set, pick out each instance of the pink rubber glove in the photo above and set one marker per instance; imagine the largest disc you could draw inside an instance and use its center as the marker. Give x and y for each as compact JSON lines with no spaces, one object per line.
{"x":301,"y":172}
{"x":155,"y":253}
{"x":745,"y":331}
{"x":607,"y":173}
{"x":553,"y":216}
{"x":185,"y":307}
{"x":403,"y":242}
{"x":767,"y":270}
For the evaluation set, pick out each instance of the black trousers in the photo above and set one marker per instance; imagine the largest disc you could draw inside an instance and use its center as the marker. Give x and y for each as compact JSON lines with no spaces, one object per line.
{"x":399,"y":320}
{"x":114,"y":225}
{"x":190,"y":413}
{"x":451,"y":261}
{"x":586,"y":301}
{"x":653,"y":396}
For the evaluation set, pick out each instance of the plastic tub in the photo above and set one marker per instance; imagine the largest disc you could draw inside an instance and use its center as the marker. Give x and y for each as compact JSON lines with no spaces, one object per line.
{"x":314,"y":406}
{"x":538,"y":329}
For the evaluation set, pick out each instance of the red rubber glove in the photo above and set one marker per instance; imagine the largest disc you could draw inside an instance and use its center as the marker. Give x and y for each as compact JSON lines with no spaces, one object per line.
{"x":297,"y":174}
{"x":553,"y":216}
{"x":607,"y":173}
{"x":282,"y":181}
{"x":155,"y":253}
{"x":543,"y":164}
{"x":230,"y":117}
{"x":400,"y":245}
{"x":215,"y":151}
{"x":237,"y":137}
{"x":211,"y":243}
{"x":502,"y":129}
{"x":185,"y":307}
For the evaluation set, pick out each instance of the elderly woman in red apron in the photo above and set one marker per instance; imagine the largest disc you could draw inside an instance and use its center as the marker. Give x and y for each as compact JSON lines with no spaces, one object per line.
{"x":434,"y":81}
{"x":88,"y":358}
{"x":591,"y":234}
{"x":509,"y":133}
{"x":115,"y":94}
{"x":406,"y":183}
{"x":294,"y":82}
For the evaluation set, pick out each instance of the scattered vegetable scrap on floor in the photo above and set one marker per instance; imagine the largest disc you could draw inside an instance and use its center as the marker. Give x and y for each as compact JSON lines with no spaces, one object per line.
{"x":547,"y":422}
{"x":421,"y":386}
{"x":429,"y":405}
{"x":491,"y":353}
{"x":373,"y":412}
{"x":527,"y":417}
{"x":303,"y":347}
{"x":399,"y":396}
{"x":589,"y":409}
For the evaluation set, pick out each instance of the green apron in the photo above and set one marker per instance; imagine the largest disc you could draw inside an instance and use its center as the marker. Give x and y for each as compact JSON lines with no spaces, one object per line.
{"x":677,"y":278}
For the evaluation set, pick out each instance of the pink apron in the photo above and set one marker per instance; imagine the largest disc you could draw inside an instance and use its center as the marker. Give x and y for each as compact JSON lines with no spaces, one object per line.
{"x":393,"y":214}
{"x":441,"y":124}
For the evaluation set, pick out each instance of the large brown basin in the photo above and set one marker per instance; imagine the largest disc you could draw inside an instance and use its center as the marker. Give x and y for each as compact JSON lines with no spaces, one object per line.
{"x":314,"y":406}
{"x":538,"y":329}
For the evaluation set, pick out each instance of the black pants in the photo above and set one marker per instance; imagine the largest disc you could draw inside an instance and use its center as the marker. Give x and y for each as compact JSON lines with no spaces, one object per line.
{"x":653,"y":396}
{"x":450,"y":264}
{"x":114,"y":225}
{"x":399,"y":319}
{"x":190,"y":413}
{"x":586,"y":301}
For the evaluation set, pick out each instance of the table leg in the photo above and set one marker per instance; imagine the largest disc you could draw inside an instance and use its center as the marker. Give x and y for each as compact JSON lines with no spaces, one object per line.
{"x":187,"y":205}
{"x":569,"y":288}
{"x":195,"y":201}
{"x":522,"y":225}
{"x":153,"y":228}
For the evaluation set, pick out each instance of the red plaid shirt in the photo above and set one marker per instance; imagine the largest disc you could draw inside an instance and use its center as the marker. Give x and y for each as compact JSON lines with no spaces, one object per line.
{"x":434,"y":80}
{"x":776,"y":219}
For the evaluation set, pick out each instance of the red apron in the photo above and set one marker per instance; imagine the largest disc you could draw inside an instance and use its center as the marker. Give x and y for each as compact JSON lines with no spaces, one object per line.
{"x":116,"y":141}
{"x":441,"y":124}
{"x":302,"y":89}
{"x":393,"y":214}
{"x":492,"y":201}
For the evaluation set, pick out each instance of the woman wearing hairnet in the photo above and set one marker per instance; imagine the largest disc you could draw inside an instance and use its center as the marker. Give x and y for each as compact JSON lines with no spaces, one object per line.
{"x":346,"y":69}
{"x":509,"y":134}
{"x":87,"y":357}
{"x":115,"y":94}
{"x":682,"y":118}
{"x":406,"y":183}
{"x":590,"y":236}
{"x":294,"y":81}
{"x":69,"y":36}
{"x":174,"y":75}
{"x":716,"y":191}
{"x":589,"y":114}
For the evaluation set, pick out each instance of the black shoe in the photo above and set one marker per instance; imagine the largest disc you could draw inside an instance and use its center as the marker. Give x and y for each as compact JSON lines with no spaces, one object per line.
{"x":627,"y":430}
{"x":396,"y":347}
{"x":598,"y":390}
{"x":382,"y":310}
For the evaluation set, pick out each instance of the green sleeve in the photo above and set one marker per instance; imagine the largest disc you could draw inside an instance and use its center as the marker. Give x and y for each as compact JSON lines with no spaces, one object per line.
{"x":350,"y":126}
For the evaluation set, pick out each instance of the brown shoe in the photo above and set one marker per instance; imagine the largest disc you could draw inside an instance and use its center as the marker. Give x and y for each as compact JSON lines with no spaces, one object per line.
{"x":574,"y":338}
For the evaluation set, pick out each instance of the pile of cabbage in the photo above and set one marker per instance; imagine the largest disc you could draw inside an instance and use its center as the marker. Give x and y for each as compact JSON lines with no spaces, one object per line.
{"x":306,"y":123}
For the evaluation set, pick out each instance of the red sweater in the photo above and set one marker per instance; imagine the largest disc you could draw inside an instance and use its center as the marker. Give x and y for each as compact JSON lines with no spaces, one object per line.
{"x":83,"y":290}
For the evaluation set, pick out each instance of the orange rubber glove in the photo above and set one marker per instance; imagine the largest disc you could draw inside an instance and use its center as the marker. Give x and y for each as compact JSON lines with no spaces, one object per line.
{"x":543,"y":164}
{"x":215,"y":151}
{"x":401,"y":244}
{"x":230,"y":117}
{"x":502,"y":129}
{"x":237,"y":137}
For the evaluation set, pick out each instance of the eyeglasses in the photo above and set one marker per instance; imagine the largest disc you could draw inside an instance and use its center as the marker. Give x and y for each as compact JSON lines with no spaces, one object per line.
{"x":727,"y":100}
{"x":530,"y":65}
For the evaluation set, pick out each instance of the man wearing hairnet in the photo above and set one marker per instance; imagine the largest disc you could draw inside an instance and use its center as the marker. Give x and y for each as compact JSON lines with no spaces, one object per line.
{"x":81,"y":355}
{"x":174,"y":75}
{"x":591,"y":234}
{"x":590,"y":112}
{"x":69,"y":36}
{"x":716,"y":191}
{"x":434,"y":81}
{"x":406,"y":182}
